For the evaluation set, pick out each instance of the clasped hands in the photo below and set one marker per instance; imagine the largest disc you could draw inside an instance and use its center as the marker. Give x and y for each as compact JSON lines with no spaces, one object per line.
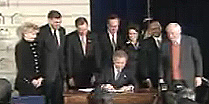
{"x":37,"y":82}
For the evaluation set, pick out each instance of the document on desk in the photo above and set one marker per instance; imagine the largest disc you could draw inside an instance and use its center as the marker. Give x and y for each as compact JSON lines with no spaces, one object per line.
{"x":116,"y":90}
{"x":86,"y":89}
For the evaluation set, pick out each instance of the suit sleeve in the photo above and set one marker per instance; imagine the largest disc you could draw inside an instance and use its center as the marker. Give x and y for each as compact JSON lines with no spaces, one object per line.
{"x":68,"y":56}
{"x":197,"y":57}
{"x":63,"y":69}
{"x":160,"y":62}
{"x":17,"y":60}
{"x":144,"y":57}
{"x":40,"y":40}
{"x":97,"y":54}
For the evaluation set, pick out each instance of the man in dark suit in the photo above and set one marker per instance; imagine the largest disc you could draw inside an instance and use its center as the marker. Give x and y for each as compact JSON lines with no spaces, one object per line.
{"x":181,"y":60}
{"x":51,"y":42}
{"x":117,"y":75}
{"x":111,"y":40}
{"x":83,"y":55}
{"x":152,"y":47}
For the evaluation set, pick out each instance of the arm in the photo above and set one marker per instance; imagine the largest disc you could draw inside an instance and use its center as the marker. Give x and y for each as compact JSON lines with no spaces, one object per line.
{"x":197,"y":61}
{"x":68,"y":50}
{"x":197,"y":57}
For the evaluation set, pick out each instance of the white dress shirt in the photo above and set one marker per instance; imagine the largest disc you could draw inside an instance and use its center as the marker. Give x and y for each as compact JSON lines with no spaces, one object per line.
{"x":57,"y":34}
{"x":158,"y":39}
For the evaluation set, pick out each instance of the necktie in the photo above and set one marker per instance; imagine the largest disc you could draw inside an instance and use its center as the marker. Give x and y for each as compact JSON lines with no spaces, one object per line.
{"x":55,"y":36}
{"x":118,"y":75}
{"x":83,"y":44}
{"x":113,"y":43}
{"x":158,"y":43}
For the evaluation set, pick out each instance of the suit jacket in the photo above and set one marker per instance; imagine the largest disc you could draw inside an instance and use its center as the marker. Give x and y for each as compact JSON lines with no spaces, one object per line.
{"x":125,"y":78}
{"x":136,"y":62}
{"x":190,"y":60}
{"x":52,"y":56}
{"x":152,"y":59}
{"x":79,"y":66}
{"x":107,"y":49}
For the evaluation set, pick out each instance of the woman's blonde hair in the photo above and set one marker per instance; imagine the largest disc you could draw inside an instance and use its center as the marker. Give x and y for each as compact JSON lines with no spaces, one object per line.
{"x":25,"y":27}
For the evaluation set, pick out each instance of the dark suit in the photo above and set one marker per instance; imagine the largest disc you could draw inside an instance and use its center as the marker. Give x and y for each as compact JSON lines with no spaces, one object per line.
{"x":152,"y":59}
{"x":52,"y":58}
{"x":125,"y":78}
{"x":107,"y":48}
{"x":190,"y":61}
{"x":28,"y":68}
{"x":136,"y":64}
{"x":79,"y":66}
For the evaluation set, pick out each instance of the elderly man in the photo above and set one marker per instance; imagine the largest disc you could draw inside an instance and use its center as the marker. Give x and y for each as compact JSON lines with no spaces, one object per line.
{"x":181,"y":60}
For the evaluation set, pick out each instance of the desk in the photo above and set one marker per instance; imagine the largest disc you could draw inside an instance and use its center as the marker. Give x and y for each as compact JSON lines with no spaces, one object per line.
{"x":141,"y":97}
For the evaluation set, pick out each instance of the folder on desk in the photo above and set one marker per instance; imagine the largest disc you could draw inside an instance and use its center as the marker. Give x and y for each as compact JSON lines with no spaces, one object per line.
{"x":28,"y":100}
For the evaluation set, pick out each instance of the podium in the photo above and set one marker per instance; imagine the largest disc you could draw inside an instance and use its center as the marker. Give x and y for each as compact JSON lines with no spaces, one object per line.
{"x":142,"y":96}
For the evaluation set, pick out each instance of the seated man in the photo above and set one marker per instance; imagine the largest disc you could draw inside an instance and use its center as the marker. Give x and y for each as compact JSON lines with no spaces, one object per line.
{"x":117,"y":77}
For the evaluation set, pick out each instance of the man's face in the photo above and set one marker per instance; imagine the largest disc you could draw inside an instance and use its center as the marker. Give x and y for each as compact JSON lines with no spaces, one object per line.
{"x":113,"y":25}
{"x":173,"y":33}
{"x":154,"y":29}
{"x":82,"y":29}
{"x":120,"y":62}
{"x":55,"y":22}
{"x":132,"y":34}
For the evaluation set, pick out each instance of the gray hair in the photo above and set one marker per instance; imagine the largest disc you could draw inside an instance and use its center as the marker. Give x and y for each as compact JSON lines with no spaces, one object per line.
{"x":175,"y":25}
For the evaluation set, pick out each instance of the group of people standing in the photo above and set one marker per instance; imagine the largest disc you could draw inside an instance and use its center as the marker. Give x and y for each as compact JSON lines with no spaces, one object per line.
{"x":47,"y":56}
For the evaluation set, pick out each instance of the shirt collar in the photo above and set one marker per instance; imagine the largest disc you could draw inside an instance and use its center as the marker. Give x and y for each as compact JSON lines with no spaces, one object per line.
{"x":158,"y":38}
{"x":178,"y":40}
{"x":52,"y":29}
{"x":115,"y":34}
{"x":116,"y":70}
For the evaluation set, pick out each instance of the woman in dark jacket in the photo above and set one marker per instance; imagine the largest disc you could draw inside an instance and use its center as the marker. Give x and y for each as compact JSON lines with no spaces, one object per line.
{"x":29,"y":77}
{"x":135,"y":52}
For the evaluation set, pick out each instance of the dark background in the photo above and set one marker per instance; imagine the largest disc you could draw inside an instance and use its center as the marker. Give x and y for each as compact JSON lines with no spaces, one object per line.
{"x":192,"y":15}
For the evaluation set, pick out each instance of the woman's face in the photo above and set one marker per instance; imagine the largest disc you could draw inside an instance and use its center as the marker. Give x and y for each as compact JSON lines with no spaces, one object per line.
{"x":30,"y":35}
{"x":133,"y":34}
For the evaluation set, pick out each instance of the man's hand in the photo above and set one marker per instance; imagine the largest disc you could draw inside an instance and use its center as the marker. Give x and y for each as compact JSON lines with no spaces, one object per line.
{"x":107,"y":86}
{"x":198,"y":81}
{"x":149,"y":82}
{"x":93,"y":79}
{"x":161,"y":81}
{"x":127,"y":88}
{"x":71,"y":82}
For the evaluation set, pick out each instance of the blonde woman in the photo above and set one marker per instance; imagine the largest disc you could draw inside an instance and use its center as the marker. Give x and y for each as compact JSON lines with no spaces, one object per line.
{"x":29,"y":77}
